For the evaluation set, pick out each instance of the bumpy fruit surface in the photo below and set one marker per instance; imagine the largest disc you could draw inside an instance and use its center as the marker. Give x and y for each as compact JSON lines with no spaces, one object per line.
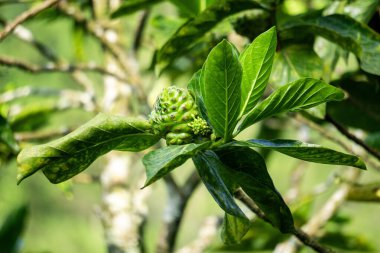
{"x":176,"y":118}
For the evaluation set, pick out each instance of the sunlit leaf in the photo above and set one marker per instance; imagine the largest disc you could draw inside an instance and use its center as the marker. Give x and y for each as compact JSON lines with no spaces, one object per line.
{"x":257,"y":62}
{"x":220,"y":88}
{"x":298,"y":95}
{"x":65,"y":157}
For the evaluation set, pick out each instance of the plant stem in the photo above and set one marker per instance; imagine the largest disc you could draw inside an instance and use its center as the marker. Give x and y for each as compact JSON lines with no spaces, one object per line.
{"x":25,"y":16}
{"x":302,"y":236}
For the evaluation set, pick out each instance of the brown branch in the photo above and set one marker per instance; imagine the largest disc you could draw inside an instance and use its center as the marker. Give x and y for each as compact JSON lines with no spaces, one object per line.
{"x":318,"y":221}
{"x":352,"y":137}
{"x":68,"y":68}
{"x":177,"y":202}
{"x":25,"y":16}
{"x":302,"y":236}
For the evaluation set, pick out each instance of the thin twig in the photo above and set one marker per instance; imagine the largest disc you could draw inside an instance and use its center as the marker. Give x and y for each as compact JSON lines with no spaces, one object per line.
{"x":69,"y":68}
{"x":24,"y":16}
{"x":98,"y":31}
{"x":140,"y":30}
{"x":332,"y":137}
{"x":352,"y":137}
{"x":318,"y":221}
{"x":302,"y":236}
{"x":178,"y":199}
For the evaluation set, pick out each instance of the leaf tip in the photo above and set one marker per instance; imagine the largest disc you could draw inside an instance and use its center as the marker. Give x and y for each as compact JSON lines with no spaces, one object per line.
{"x":360,"y":164}
{"x":19,"y":178}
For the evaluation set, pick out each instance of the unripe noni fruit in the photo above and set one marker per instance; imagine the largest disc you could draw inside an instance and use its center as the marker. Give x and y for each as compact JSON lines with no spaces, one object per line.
{"x":176,"y":118}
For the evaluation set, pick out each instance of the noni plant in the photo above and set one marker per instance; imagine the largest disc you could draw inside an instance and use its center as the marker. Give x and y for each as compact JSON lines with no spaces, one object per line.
{"x":203,"y":123}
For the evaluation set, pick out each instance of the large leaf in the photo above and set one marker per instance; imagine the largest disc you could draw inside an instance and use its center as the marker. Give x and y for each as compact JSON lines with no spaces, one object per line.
{"x":131,"y":6}
{"x":6,"y":135}
{"x":160,"y":162}
{"x":220,"y":87}
{"x":64,"y":158}
{"x":305,"y":151}
{"x":217,"y":179}
{"x":344,"y":31}
{"x":257,"y":62}
{"x":195,"y":28}
{"x":298,"y":95}
{"x":11,"y":229}
{"x":294,"y":62}
{"x":250,"y":172}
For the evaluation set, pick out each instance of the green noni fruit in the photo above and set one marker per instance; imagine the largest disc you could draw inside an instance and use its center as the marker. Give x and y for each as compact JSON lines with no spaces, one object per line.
{"x":176,"y":118}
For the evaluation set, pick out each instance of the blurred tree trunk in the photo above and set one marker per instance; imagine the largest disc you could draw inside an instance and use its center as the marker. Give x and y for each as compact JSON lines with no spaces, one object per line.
{"x":123,"y":209}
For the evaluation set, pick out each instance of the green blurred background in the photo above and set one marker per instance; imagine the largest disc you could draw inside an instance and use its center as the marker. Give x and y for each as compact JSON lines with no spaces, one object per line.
{"x":65,"y":218}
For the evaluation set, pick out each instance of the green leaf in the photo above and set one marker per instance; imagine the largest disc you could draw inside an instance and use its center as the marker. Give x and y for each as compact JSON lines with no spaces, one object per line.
{"x":304,"y":151}
{"x":233,"y":229}
{"x":189,"y":7}
{"x":11,"y":229}
{"x":195,"y":28}
{"x":160,"y":162}
{"x":257,"y":62}
{"x":6,"y":135}
{"x":250,"y":172}
{"x":345,"y":31}
{"x":64,"y":158}
{"x":294,"y":62}
{"x":131,"y":6}
{"x":220,"y":87}
{"x":298,"y":95}
{"x":362,"y":10}
{"x":216,"y":177}
{"x":194,"y":87}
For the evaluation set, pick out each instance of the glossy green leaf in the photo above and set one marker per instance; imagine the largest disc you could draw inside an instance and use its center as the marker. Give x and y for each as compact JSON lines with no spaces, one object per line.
{"x":160,"y":162}
{"x":11,"y":229}
{"x":233,"y":229}
{"x":250,"y":172}
{"x":295,"y":62}
{"x":131,"y":6}
{"x":257,"y":62}
{"x":298,"y":95}
{"x":305,"y":151}
{"x":194,"y":87}
{"x":214,"y":175}
{"x":195,"y":28}
{"x":220,"y":88}
{"x":344,"y":31}
{"x":64,"y":158}
{"x":6,"y":135}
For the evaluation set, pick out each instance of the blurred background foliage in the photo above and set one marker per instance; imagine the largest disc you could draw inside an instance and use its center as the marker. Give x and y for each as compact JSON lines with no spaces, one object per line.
{"x":36,"y":106}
